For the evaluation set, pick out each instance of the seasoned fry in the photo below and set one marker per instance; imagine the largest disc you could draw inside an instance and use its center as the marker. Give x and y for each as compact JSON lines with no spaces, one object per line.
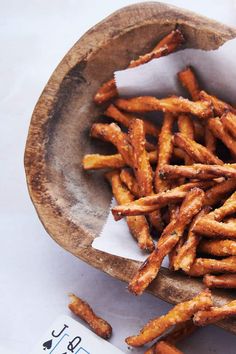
{"x":227,"y":281}
{"x":215,"y":229}
{"x":141,"y":164}
{"x":112,"y":133}
{"x":172,"y":104}
{"x":148,"y":204}
{"x":218,"y":247}
{"x":199,"y":171}
{"x":228,"y":208}
{"x":166,"y":348}
{"x":217,"y":192}
{"x":218,"y":130}
{"x":199,"y":131}
{"x":125,"y":119}
{"x":220,"y":107}
{"x":82,"y":309}
{"x":195,"y":151}
{"x":178,"y":314}
{"x":210,"y":140}
{"x":215,"y":314}
{"x":137,"y":224}
{"x":203,"y":266}
{"x":186,"y":127}
{"x":167,"y":45}
{"x":187,"y":253}
{"x":129,"y":180}
{"x":229,"y":123}
{"x":188,"y":80}
{"x":165,"y":149}
{"x":97,"y":161}
{"x":169,"y":238}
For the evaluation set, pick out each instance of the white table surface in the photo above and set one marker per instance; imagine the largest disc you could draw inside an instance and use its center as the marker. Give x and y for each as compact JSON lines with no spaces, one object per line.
{"x":36,"y":274}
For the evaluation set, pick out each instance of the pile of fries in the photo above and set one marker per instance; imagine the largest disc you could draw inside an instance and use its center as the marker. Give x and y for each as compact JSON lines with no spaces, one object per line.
{"x":174,"y":182}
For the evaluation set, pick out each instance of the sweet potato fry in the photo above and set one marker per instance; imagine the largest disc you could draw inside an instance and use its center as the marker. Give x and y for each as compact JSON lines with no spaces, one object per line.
{"x":180,"y":332}
{"x":203,"y":266}
{"x":167,"y":45}
{"x":228,"y":120}
{"x":220,"y":107}
{"x":82,"y":309}
{"x":214,"y":229}
{"x":166,"y":348}
{"x":219,"y":248}
{"x":125,"y":119}
{"x":141,"y":164}
{"x":187,"y":253}
{"x":165,"y":149}
{"x":215,"y":314}
{"x":129,"y":180}
{"x":178,"y":314}
{"x":196,"y":151}
{"x":227,"y":281}
{"x":188,"y":80}
{"x":137,"y":224}
{"x":210,"y":140}
{"x":186,"y":128}
{"x":216,"y":193}
{"x":112,"y":133}
{"x":169,"y":238}
{"x":218,"y":130}
{"x":198,"y":171}
{"x":148,"y":204}
{"x":97,"y":161}
{"x":173,"y":105}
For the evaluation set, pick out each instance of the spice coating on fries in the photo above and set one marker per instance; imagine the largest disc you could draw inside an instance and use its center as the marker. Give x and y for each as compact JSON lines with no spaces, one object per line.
{"x":188,"y":80}
{"x":172,"y":104}
{"x":82,"y":309}
{"x":178,"y":314}
{"x":229,"y":122}
{"x":217,"y":129}
{"x":166,"y":348}
{"x":219,"y":248}
{"x":203,"y":266}
{"x":215,"y":314}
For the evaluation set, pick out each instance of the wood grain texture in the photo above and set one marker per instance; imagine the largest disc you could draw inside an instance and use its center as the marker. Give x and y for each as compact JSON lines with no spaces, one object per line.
{"x":73,"y":204}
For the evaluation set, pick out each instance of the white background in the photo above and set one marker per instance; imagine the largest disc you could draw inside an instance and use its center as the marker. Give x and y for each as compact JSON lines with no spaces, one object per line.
{"x":36,"y":274}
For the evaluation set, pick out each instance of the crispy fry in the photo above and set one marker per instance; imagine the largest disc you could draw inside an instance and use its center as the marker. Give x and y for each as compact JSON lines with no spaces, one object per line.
{"x":137,"y":224}
{"x":141,"y":164}
{"x":112,"y":133}
{"x":172,"y":104}
{"x":199,"y":171}
{"x":215,"y":314}
{"x":199,"y":131}
{"x":166,"y":348}
{"x":220,"y":107}
{"x":125,"y":119}
{"x":188,"y":80}
{"x":165,"y":149}
{"x":169,"y":238}
{"x":217,"y":192}
{"x":178,"y":314}
{"x":82,"y":309}
{"x":187,"y":253}
{"x":229,"y":123}
{"x":203,"y":266}
{"x":167,"y":45}
{"x":218,"y":130}
{"x":148,"y":204}
{"x":186,"y":127}
{"x":228,"y":208}
{"x":97,"y":161}
{"x":218,"y":247}
{"x":220,"y":281}
{"x":195,"y":151}
{"x":210,"y":140}
{"x":214,"y":229}
{"x":129,"y":180}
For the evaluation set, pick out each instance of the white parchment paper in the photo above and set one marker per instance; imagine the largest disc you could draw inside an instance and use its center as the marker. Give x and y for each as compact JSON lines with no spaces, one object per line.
{"x":217,"y":73}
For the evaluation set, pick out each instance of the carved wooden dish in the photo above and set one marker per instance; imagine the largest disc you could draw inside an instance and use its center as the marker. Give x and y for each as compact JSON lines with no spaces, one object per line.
{"x":73,"y":204}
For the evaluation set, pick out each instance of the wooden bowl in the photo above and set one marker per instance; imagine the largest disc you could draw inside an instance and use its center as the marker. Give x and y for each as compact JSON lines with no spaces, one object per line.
{"x":73,"y":204}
